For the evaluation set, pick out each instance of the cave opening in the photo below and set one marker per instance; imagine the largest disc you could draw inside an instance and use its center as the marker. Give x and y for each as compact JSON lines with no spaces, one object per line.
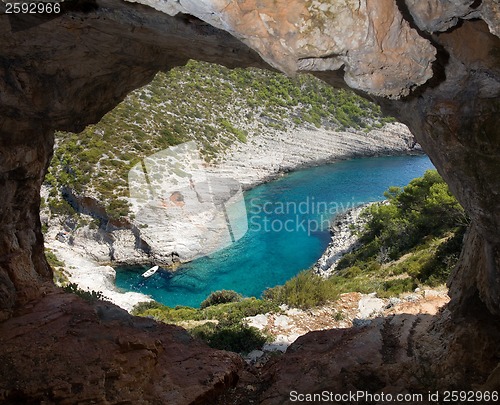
{"x":67,"y":72}
{"x":87,"y":188}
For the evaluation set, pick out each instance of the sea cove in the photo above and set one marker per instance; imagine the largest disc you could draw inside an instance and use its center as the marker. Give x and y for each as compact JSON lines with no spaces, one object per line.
{"x":288,"y":230}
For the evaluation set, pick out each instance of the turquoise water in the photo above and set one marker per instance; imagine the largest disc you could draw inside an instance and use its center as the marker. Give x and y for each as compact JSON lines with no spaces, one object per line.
{"x":288,"y":230}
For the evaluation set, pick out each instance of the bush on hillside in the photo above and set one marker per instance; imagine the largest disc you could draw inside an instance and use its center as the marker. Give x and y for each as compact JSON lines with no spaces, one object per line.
{"x":424,"y":208}
{"x":221,"y":297}
{"x":90,"y":296}
{"x":305,"y":290}
{"x":238,"y":338}
{"x":228,"y":331}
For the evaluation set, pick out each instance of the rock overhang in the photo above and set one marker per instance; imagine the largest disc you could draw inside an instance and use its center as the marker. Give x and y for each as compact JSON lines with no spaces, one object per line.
{"x":370,"y":40}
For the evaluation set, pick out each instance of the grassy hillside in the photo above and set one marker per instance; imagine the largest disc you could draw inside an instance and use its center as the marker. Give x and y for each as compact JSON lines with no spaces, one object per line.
{"x":208,"y":103}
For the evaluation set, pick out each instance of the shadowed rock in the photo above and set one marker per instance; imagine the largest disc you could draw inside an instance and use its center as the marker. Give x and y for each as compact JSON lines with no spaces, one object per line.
{"x":66,"y":72}
{"x":65,"y":350}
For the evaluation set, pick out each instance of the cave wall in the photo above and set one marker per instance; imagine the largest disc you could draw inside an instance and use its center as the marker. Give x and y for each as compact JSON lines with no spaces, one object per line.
{"x":456,"y":121}
{"x":433,"y":64}
{"x":24,"y":158}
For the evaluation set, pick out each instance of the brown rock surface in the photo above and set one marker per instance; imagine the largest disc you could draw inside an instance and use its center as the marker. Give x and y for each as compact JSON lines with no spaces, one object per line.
{"x":377,"y":358}
{"x":398,"y":354}
{"x":97,"y":353}
{"x":24,"y":272}
{"x":66,"y":71}
{"x":378,"y":50}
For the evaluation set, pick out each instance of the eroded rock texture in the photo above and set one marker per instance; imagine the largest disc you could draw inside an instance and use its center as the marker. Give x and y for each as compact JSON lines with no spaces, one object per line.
{"x":434,"y":64}
{"x":24,"y":272}
{"x":99,"y":354}
{"x":367,"y":38}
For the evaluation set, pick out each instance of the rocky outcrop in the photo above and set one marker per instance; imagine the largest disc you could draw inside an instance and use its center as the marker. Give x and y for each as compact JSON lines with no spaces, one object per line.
{"x":383,"y":358}
{"x":24,"y":272}
{"x":345,"y":238}
{"x":98,"y":353}
{"x":368,"y":39}
{"x":384,"y":352}
{"x":351,"y":309}
{"x":65,"y":71}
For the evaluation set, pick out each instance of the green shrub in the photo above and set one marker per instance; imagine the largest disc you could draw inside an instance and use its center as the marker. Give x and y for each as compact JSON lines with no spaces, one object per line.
{"x":234,"y":312}
{"x":305,"y":290}
{"x":144,"y":306}
{"x":91,"y":296}
{"x":395,"y":287}
{"x":228,"y":332}
{"x":60,"y":277}
{"x":52,"y":259}
{"x":60,"y":207}
{"x":228,"y":313}
{"x":221,"y":297}
{"x":424,"y":208}
{"x":237,"y":338}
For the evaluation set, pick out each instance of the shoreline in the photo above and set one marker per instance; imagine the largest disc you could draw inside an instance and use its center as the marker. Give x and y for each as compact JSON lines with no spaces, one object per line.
{"x":344,"y":239}
{"x":270,"y":155}
{"x":318,"y":163}
{"x":92,"y":276}
{"x":89,"y":254}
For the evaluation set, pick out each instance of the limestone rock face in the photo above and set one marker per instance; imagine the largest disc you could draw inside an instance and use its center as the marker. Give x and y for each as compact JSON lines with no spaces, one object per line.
{"x":440,"y":15}
{"x":378,"y":50}
{"x":422,"y":61}
{"x":24,"y":272}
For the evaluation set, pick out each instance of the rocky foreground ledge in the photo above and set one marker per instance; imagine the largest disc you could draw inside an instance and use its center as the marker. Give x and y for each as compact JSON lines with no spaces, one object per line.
{"x":381,"y":353}
{"x":350,"y":310}
{"x":96,"y":353}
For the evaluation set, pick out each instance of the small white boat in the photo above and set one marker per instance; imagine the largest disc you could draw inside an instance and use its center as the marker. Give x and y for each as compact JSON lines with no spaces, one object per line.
{"x":151,"y":271}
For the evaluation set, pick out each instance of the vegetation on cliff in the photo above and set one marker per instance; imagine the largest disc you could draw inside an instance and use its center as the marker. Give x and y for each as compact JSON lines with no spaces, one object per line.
{"x":224,"y":326}
{"x":210,"y":104}
{"x":413,"y":239}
